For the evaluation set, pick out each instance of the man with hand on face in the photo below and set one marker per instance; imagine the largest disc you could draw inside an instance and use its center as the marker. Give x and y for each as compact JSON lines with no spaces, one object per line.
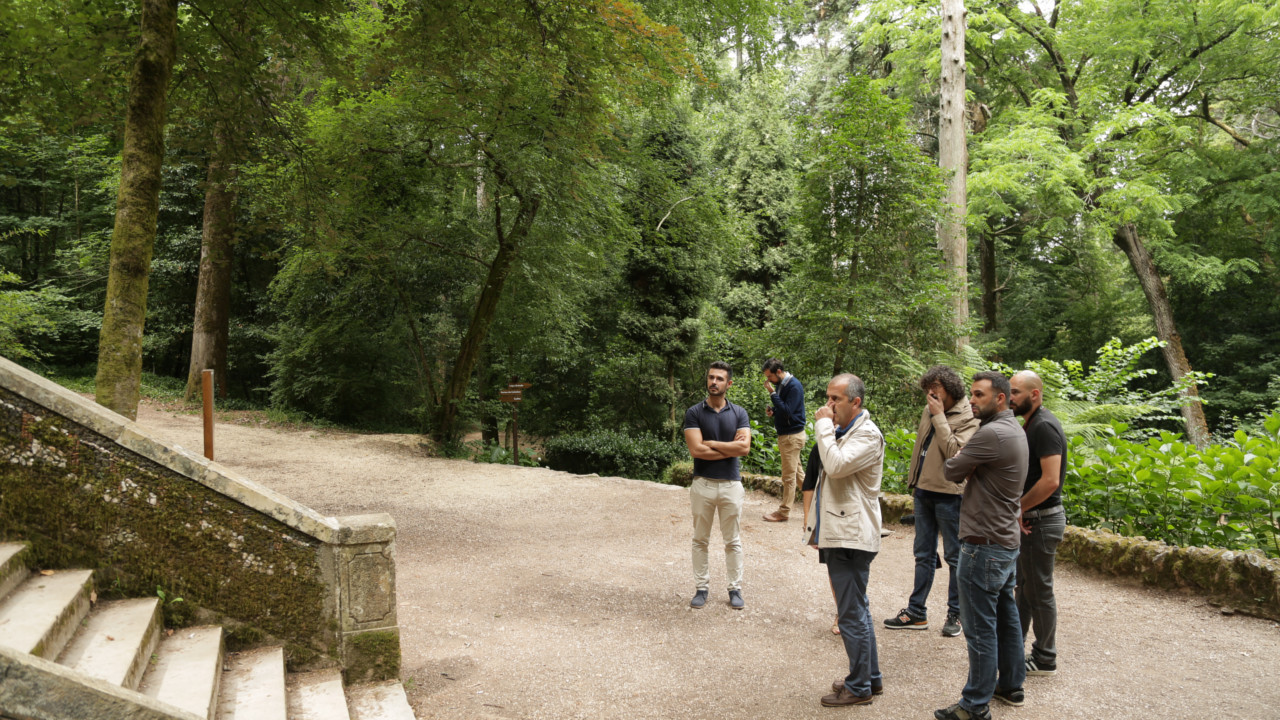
{"x":845,"y":527}
{"x":945,"y":426}
{"x":1043,"y":520}
{"x":993,"y":466}
{"x":717,"y":433}
{"x":786,"y":407}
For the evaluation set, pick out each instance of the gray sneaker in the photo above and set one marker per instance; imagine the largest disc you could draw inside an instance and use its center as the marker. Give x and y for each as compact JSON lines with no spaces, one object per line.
{"x":951,"y":627}
{"x":735,"y":600}
{"x":1038,"y":667}
{"x":955,"y":712}
{"x":699,"y":600}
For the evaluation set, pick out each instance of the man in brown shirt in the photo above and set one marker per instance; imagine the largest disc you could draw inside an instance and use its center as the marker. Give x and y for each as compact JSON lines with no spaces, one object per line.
{"x":994,"y":464}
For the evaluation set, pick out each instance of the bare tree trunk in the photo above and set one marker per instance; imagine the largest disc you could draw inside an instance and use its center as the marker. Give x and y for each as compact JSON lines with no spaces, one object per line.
{"x":213,"y":291}
{"x":953,"y":157}
{"x":137,"y":204}
{"x":990,"y":295}
{"x":1126,"y":237}
{"x":486,"y":307}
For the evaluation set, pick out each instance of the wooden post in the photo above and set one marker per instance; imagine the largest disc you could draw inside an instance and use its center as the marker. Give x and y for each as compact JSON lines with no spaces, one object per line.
{"x":206,"y":387}
{"x":515,"y":434}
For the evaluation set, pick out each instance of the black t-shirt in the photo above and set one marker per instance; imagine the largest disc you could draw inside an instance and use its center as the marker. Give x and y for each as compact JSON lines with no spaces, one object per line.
{"x":1044,"y":438}
{"x":721,"y":427}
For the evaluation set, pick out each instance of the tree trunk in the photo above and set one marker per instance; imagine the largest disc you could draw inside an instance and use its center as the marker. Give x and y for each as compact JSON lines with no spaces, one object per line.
{"x":137,"y":204}
{"x":953,"y":157}
{"x":486,"y":307}
{"x":1126,"y":237}
{"x":213,"y":290}
{"x":990,"y":295}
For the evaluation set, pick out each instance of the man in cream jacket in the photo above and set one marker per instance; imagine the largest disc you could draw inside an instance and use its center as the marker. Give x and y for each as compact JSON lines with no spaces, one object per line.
{"x":845,"y":527}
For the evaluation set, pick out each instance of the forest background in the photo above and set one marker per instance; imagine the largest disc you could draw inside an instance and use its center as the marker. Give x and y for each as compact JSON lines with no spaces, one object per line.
{"x":379,"y":214}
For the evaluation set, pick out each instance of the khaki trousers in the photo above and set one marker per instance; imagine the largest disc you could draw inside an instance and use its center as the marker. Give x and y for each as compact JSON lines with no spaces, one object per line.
{"x":707,"y":498}
{"x":790,"y":447}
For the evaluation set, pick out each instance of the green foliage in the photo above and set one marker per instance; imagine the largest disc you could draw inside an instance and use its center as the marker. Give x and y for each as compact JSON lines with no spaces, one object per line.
{"x":1227,"y":495}
{"x":898,"y":445}
{"x":494,"y":453}
{"x":609,"y":452}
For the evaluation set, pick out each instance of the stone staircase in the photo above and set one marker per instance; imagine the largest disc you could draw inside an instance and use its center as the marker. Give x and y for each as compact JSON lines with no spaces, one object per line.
{"x":54,"y":615}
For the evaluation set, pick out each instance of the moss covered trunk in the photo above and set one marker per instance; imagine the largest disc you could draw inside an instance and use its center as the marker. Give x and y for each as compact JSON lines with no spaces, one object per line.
{"x":213,"y":291}
{"x":120,"y":342}
{"x":1128,"y":240}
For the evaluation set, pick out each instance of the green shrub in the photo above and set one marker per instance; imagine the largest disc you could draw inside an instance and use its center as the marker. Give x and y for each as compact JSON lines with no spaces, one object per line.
{"x":898,"y":445}
{"x":608,"y":452}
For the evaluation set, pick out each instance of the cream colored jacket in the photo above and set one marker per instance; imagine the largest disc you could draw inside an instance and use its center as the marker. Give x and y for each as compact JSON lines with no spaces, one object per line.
{"x":847,"y":514}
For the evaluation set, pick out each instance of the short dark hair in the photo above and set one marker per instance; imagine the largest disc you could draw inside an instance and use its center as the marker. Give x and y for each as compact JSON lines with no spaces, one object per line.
{"x":722,"y":365}
{"x":946,"y":377}
{"x":855,"y":389}
{"x":998,"y":381}
{"x":772,"y":365}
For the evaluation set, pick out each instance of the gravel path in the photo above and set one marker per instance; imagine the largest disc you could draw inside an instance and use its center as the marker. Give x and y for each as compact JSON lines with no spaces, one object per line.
{"x":530,"y":593}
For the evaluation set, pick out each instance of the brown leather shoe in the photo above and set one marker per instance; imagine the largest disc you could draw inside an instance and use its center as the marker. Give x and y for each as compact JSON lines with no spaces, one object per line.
{"x":844,"y":698}
{"x":839,"y":684}
{"x":776,"y":516}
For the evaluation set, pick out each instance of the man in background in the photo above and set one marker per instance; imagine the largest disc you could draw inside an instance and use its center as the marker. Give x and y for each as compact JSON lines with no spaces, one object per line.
{"x":945,"y":426}
{"x":993,"y":466}
{"x":786,"y":407}
{"x":717,"y":433}
{"x":1043,"y":520}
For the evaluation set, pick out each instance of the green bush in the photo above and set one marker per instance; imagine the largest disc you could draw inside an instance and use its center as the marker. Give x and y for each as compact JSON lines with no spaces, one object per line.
{"x":1165,"y":489}
{"x":1226,"y":496}
{"x":608,"y":452}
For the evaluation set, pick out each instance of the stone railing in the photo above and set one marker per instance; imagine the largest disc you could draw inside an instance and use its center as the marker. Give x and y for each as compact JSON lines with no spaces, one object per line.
{"x":91,"y":489}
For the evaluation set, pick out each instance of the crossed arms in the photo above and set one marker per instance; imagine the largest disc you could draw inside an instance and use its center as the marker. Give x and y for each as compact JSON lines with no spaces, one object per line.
{"x":717,"y":449}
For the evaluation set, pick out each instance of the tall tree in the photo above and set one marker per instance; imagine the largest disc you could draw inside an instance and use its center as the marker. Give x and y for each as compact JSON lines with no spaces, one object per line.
{"x":953,"y":157}
{"x":120,"y":343}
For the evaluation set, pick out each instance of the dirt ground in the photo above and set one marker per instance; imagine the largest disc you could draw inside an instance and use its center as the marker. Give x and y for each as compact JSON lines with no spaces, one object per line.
{"x":530,"y":593}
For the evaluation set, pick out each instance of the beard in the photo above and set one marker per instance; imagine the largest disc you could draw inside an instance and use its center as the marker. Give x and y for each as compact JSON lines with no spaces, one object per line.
{"x":1022,"y":408}
{"x":984,"y":413}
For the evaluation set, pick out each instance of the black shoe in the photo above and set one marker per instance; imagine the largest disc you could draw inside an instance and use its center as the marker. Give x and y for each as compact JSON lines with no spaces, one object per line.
{"x":1037,"y":667}
{"x":1015,"y":697}
{"x":955,"y":712}
{"x":735,"y":600}
{"x":951,"y":627}
{"x":906,"y":621}
{"x":908,"y":519}
{"x":699,"y":599}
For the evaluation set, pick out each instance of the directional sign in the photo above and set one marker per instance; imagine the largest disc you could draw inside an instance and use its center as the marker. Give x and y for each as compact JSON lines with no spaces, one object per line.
{"x":519,"y":386}
{"x":511,"y":396}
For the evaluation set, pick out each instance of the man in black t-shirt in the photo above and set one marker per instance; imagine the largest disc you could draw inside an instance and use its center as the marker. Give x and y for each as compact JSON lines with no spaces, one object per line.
{"x":1043,"y":520}
{"x":717,"y":433}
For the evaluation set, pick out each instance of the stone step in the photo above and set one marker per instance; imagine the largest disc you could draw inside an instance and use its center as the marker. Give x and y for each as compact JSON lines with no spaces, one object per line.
{"x":42,"y":614}
{"x":382,"y":701}
{"x":13,"y":566}
{"x":186,"y":670}
{"x":317,"y":696}
{"x":116,"y":641}
{"x":253,"y":686}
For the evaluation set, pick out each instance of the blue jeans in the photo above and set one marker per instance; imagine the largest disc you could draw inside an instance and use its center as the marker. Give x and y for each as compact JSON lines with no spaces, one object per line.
{"x":934,"y":517}
{"x":849,"y":571}
{"x":992,"y":631}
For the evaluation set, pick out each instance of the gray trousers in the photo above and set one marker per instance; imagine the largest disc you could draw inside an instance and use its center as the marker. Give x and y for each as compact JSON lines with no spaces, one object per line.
{"x":1036,"y":604}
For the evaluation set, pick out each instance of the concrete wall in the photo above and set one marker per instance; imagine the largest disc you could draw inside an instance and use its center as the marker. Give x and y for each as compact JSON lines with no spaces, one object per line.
{"x":91,"y":489}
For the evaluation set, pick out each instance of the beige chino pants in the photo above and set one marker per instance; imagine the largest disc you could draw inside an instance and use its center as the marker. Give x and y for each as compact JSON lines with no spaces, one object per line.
{"x":789,"y":448}
{"x":707,"y":498}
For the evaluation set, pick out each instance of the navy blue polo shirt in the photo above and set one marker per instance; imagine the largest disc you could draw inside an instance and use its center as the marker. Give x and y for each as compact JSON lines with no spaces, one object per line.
{"x":721,"y":427}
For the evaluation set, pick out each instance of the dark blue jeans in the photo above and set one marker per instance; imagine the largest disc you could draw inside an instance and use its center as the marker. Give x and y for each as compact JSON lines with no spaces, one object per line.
{"x":849,"y":571}
{"x":992,"y":631}
{"x":934,"y":517}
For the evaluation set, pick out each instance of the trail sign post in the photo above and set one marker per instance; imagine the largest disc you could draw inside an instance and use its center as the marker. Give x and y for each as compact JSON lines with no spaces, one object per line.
{"x":514,"y":394}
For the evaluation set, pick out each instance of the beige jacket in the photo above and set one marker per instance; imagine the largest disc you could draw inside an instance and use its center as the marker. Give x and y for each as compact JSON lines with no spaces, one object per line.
{"x":848,"y":511}
{"x":951,"y":431}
